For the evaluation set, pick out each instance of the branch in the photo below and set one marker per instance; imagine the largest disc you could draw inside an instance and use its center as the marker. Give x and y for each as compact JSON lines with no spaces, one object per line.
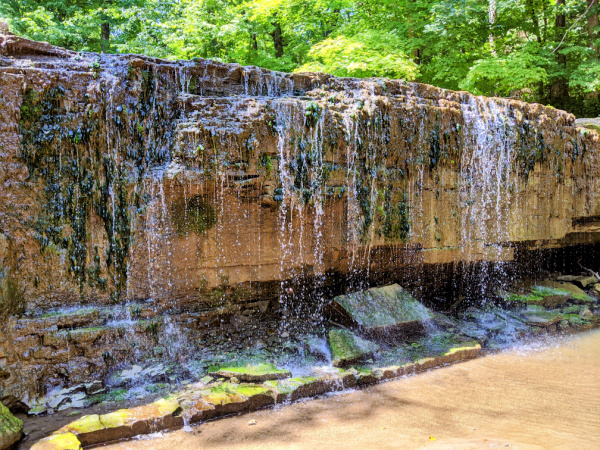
{"x":570,"y":28}
{"x":590,"y":271}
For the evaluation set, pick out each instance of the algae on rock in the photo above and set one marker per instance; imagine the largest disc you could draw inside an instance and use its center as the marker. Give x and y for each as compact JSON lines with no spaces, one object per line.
{"x":388,"y":311}
{"x":348,"y":348}
{"x":251,"y":372}
{"x":11,"y":428}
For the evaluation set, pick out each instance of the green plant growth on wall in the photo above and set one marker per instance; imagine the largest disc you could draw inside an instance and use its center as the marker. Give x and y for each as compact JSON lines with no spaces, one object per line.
{"x":66,"y":151}
{"x":396,"y":225}
{"x":194,"y":215}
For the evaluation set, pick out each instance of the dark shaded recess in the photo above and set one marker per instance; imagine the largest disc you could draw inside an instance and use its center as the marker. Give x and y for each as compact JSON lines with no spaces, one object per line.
{"x":438,"y":286}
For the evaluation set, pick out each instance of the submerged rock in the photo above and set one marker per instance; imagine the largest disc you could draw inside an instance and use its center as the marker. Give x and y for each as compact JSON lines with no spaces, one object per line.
{"x":388,"y":311}
{"x":251,"y":372}
{"x":11,"y":428}
{"x":347,"y":348}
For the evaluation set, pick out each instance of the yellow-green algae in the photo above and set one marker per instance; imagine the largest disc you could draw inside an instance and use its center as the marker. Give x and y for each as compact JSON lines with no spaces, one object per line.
{"x":226,"y":393}
{"x":289,"y":385}
{"x":257,"y":370}
{"x":58,"y":441}
{"x":155,"y":410}
{"x":85,"y":424}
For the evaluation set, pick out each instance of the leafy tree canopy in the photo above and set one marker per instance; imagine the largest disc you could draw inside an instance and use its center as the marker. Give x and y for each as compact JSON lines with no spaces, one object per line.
{"x":540,"y":50}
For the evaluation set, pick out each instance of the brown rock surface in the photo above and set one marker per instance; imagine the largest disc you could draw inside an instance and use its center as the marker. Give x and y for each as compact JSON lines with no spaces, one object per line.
{"x":208,"y":187}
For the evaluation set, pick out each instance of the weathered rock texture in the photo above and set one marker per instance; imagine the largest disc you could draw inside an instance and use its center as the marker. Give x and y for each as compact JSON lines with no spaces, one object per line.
{"x":207,"y":187}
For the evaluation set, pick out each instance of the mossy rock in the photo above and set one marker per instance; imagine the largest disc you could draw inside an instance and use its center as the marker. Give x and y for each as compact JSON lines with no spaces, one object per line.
{"x":11,"y":428}
{"x":162,"y":414}
{"x":61,"y":441}
{"x":347,"y":348}
{"x":225,"y":398}
{"x":388,"y":311}
{"x":576,"y":320}
{"x":550,"y":294}
{"x":578,"y":295}
{"x":251,"y":372}
{"x":291,"y":389}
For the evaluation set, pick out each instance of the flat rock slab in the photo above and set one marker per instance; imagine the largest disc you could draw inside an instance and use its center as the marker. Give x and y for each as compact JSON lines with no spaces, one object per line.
{"x":11,"y":428}
{"x":583,"y":281}
{"x":200,"y":402}
{"x":380,"y":313}
{"x":60,"y":441}
{"x":252,"y":372}
{"x":126,"y":423}
{"x":224,"y":398}
{"x":318,"y":383}
{"x":347,"y":348}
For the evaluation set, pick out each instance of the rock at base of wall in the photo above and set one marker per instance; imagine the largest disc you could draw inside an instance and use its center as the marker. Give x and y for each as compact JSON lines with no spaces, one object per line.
{"x":347,"y":348}
{"x":381,"y":313}
{"x":11,"y":428}
{"x":252,"y":372}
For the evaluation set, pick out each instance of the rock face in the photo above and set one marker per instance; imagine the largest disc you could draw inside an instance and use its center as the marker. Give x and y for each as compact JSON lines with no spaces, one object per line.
{"x":386,"y":312}
{"x":213,"y":189}
{"x":11,"y":428}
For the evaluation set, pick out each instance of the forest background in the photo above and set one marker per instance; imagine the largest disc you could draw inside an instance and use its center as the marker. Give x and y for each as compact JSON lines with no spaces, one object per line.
{"x":546,"y":51}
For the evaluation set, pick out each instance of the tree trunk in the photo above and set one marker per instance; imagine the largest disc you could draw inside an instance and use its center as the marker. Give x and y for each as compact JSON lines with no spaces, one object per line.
{"x":417,"y":56}
{"x":277,"y":36}
{"x":105,"y":30}
{"x":534,"y":20}
{"x":492,"y":20}
{"x":105,"y":37}
{"x":593,"y":23}
{"x":254,"y":42}
{"x":560,"y":88}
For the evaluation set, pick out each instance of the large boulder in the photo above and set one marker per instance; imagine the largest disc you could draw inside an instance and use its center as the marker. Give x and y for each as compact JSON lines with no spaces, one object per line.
{"x":11,"y":428}
{"x":381,"y":313}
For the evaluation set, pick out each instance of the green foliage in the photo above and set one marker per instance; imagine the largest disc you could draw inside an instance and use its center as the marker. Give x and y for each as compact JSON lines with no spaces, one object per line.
{"x":502,"y":76}
{"x":526,"y":53}
{"x":369,"y":54}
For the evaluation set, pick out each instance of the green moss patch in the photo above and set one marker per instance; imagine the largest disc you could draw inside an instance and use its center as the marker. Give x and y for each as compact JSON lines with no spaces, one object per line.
{"x":62,"y":441}
{"x":251,"y":372}
{"x":347,"y":348}
{"x":383,"y":313}
{"x":11,"y":428}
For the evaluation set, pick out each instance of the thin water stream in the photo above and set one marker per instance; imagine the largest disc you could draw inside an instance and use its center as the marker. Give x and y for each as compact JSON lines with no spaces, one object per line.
{"x":537,"y":396}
